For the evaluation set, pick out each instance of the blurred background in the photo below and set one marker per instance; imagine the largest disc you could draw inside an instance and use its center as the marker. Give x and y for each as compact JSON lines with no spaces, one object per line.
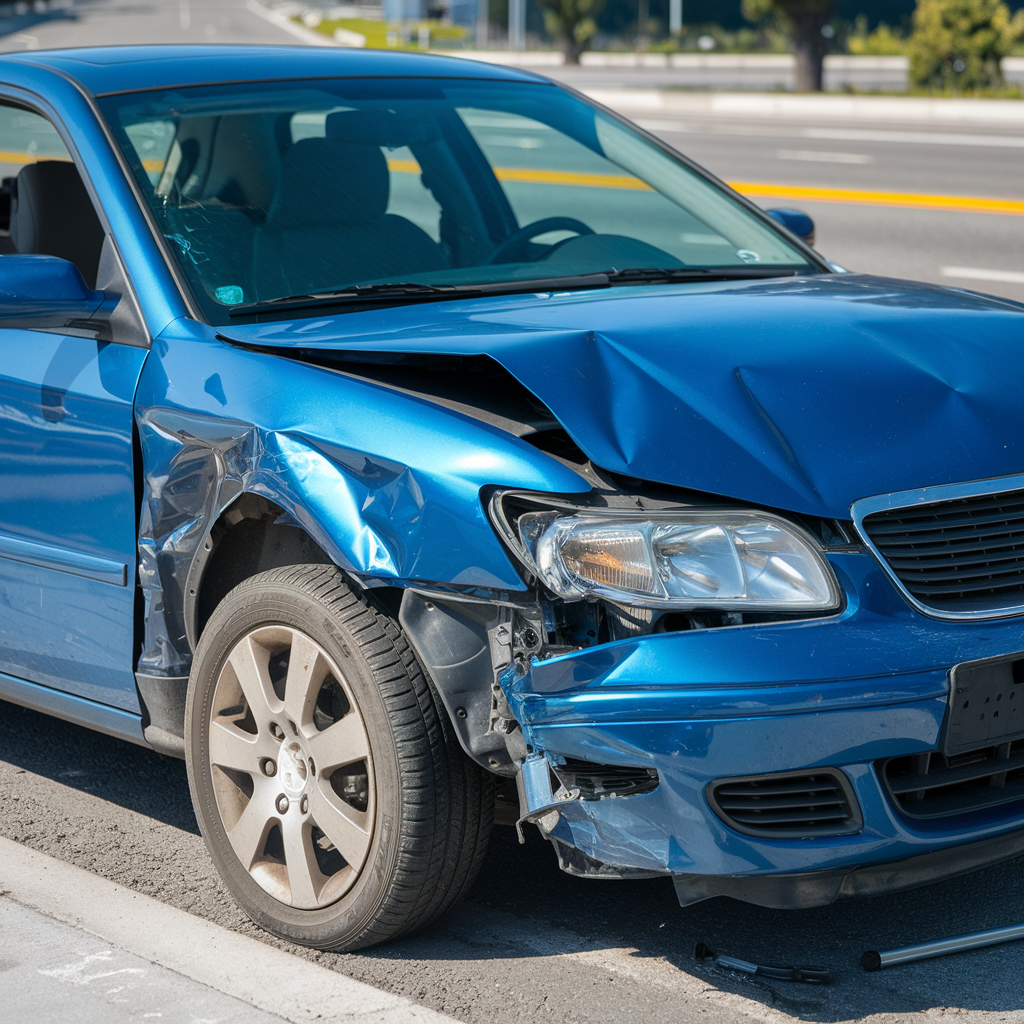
{"x":897,"y":125}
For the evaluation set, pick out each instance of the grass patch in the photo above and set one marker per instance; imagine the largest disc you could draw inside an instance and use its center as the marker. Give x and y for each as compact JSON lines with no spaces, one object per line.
{"x":383,"y":36}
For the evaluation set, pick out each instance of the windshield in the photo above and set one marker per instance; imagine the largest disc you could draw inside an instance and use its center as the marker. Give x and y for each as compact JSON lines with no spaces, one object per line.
{"x":280,"y":189}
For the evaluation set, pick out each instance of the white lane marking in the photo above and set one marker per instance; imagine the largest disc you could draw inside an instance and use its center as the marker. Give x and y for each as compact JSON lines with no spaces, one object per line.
{"x":916,"y":138}
{"x":980,"y":274}
{"x":824,"y":157}
{"x":74,"y":974}
{"x":29,"y":42}
{"x":307,"y":35}
{"x":837,"y":134}
{"x":235,"y":965}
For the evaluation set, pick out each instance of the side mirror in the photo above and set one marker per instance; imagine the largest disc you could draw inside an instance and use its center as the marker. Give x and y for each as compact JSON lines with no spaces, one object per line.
{"x":794,"y":220}
{"x":45,"y":293}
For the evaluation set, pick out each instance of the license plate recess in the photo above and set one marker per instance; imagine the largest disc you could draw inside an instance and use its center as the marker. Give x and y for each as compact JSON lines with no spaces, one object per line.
{"x":986,"y":704}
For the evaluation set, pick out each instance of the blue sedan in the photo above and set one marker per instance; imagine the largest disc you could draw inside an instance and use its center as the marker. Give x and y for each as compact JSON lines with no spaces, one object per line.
{"x":410,"y":444}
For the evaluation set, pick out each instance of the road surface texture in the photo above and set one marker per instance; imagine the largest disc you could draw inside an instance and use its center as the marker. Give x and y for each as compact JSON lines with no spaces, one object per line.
{"x":530,"y":943}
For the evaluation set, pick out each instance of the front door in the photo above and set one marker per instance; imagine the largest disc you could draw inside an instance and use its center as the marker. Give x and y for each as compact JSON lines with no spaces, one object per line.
{"x":67,"y":487}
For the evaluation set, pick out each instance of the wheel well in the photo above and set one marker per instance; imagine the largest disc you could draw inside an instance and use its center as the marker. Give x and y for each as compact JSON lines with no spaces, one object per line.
{"x":251,"y":535}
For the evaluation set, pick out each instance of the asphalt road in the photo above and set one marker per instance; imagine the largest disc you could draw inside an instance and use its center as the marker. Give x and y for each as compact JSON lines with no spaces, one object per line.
{"x":917,"y":159}
{"x":532,"y":943}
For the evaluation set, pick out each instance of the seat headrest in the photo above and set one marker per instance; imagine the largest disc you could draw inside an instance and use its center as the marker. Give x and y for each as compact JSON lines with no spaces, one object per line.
{"x":52,"y":215}
{"x":328,"y":181}
{"x":380,"y":127}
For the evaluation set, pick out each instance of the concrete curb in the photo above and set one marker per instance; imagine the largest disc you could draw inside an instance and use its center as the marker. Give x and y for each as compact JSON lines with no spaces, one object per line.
{"x":233,"y":964}
{"x":293,"y":28}
{"x":823,"y":107}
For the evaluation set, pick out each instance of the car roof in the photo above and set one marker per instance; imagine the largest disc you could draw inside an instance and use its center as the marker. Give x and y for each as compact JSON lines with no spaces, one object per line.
{"x":107,"y":69}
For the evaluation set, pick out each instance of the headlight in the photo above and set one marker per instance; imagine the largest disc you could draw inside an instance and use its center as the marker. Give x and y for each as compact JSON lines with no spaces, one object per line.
{"x":692,"y":559}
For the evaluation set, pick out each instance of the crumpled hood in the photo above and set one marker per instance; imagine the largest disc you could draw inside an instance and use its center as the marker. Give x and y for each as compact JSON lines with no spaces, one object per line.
{"x":799,"y":393}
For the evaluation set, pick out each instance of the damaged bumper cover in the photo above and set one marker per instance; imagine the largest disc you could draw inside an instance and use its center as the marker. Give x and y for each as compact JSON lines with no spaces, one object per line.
{"x":831,"y":698}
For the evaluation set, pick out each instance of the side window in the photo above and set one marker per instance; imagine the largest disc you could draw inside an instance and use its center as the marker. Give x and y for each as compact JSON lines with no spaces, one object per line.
{"x":24,"y":139}
{"x":45,"y":208}
{"x":408,"y":197}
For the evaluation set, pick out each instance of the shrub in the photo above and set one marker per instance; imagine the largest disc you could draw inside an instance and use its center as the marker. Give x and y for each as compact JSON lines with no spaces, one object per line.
{"x":883,"y":42}
{"x":957,"y":45}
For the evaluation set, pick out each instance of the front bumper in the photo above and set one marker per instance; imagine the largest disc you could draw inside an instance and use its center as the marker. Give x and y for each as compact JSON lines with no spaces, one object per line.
{"x":697,"y":706}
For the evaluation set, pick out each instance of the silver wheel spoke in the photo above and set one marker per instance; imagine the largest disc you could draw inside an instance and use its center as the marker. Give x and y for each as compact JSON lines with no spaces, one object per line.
{"x":302,"y":682}
{"x":304,"y":877}
{"x":286,"y":764}
{"x":339,"y":744}
{"x":236,"y":750}
{"x":346,"y":827}
{"x":250,"y":831}
{"x":252,"y":678}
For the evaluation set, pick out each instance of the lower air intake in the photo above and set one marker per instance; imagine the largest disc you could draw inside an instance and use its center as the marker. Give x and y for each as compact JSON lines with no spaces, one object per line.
{"x":789,"y":805}
{"x":932,"y":785}
{"x":595,"y":781}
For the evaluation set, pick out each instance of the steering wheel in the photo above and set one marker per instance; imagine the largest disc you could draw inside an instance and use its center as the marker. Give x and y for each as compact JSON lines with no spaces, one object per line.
{"x":511,"y":246}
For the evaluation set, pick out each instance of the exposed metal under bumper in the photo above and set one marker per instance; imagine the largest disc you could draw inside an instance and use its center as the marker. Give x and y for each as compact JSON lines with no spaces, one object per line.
{"x":820,"y":888}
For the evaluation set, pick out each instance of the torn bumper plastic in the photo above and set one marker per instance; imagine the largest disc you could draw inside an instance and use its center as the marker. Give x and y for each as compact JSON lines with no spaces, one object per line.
{"x":700,"y":706}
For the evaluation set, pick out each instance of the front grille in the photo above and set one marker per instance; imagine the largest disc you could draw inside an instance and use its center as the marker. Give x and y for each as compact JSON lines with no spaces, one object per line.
{"x":595,"y":781}
{"x":791,"y":805}
{"x":964,"y":555}
{"x":932,"y":785}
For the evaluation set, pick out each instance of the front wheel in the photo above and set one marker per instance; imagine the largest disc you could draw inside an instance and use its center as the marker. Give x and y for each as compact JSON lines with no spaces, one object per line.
{"x":332,"y":794}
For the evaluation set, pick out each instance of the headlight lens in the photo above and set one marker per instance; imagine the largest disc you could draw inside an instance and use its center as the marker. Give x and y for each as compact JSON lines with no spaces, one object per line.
{"x":734,"y":560}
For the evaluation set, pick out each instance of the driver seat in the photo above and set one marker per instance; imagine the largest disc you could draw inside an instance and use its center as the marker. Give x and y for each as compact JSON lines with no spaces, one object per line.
{"x":328,"y":226}
{"x":52,"y":215}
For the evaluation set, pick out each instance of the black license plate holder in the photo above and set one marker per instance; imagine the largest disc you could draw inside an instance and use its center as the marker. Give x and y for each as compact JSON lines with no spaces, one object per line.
{"x":986,"y":704}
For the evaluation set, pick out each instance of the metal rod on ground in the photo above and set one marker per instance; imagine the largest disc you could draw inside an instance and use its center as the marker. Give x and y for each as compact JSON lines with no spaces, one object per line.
{"x":872,"y":961}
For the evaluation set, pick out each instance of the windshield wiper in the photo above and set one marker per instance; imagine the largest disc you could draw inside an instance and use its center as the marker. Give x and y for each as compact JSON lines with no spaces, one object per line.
{"x":668,"y":275}
{"x":410,"y":290}
{"x":415,"y":292}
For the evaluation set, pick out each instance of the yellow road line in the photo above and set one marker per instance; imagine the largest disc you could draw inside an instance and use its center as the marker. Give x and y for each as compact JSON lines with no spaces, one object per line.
{"x":801,"y":193}
{"x":571,"y":178}
{"x":9,"y":157}
{"x":865,"y":197}
{"x":533,"y":176}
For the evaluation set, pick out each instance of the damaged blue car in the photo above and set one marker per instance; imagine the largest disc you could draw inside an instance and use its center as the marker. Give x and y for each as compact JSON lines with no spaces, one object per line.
{"x":411,"y":444}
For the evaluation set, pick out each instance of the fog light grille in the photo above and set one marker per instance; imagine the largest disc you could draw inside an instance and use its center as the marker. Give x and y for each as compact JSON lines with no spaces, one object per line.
{"x":595,"y":781}
{"x":789,"y":805}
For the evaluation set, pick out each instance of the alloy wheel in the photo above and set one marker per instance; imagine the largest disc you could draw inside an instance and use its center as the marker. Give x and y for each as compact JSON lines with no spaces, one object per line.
{"x":291,"y":767}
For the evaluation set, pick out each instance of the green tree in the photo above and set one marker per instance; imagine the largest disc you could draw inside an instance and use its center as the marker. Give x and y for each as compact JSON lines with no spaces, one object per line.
{"x":957,"y":45}
{"x":572,"y":24}
{"x":802,"y":21}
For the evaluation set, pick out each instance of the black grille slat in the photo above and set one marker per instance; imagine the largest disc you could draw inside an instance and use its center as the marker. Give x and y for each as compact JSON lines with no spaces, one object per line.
{"x":954,"y":776}
{"x":959,"y":556}
{"x":934,"y":786}
{"x":780,"y":803}
{"x":790,"y":806}
{"x":983,"y":557}
{"x":957,"y":548}
{"x":774,"y":789}
{"x":954,"y":507}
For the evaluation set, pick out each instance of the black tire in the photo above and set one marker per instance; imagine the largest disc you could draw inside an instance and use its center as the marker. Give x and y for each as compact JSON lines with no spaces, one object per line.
{"x":428,"y":811}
